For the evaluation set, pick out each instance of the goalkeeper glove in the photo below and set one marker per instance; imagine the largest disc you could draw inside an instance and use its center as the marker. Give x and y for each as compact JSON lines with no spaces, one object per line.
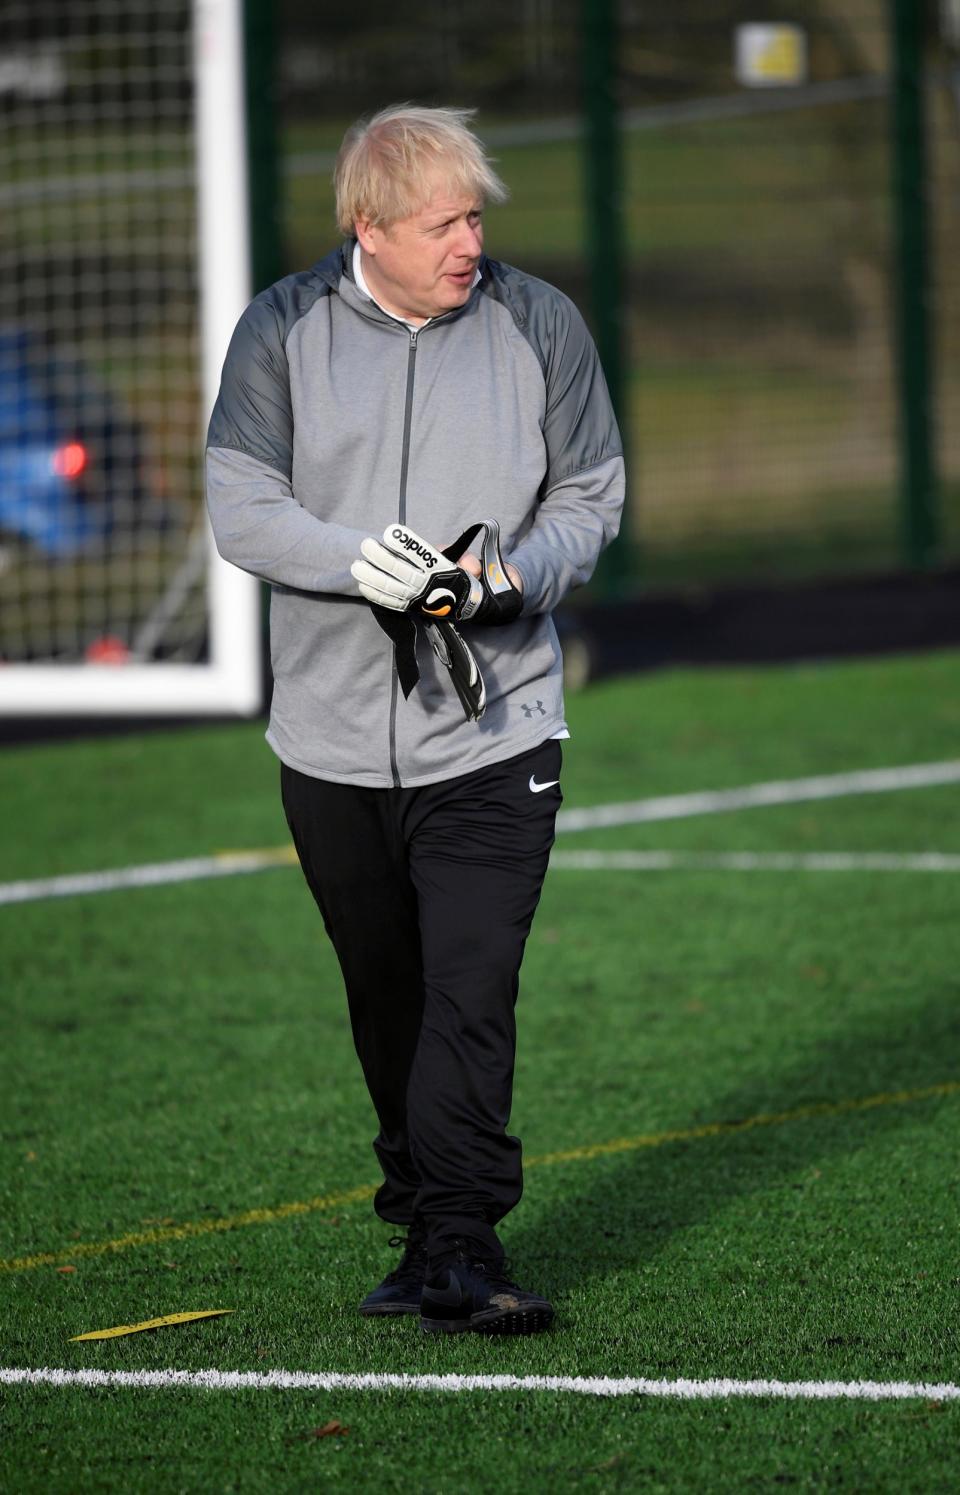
{"x":458,"y":657}
{"x":493,"y":599}
{"x":406,"y":574}
{"x":406,"y":578}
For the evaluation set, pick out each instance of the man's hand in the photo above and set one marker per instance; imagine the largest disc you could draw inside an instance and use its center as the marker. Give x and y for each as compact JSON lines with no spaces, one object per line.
{"x":497,"y":593}
{"x":408,"y":575}
{"x":470,"y":563}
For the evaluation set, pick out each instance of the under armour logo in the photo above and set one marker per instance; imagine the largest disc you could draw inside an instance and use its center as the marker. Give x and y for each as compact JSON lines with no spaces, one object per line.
{"x":529,"y":710}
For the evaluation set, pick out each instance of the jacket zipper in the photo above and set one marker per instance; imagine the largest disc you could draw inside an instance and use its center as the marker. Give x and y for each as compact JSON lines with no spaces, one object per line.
{"x":402,"y":518}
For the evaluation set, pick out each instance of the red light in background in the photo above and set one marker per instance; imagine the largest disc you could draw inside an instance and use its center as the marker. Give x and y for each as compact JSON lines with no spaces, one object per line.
{"x":107,"y":650}
{"x":69,"y":460}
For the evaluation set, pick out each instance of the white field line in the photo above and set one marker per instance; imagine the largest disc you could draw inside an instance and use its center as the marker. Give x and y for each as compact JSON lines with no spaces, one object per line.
{"x":777,"y":792}
{"x":668,"y":807}
{"x":229,"y":864}
{"x":754,"y":861}
{"x":151,"y":874}
{"x":684,"y":1390}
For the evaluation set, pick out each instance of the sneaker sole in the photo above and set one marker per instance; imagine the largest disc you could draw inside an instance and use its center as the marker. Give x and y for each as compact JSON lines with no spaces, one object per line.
{"x":513,"y":1321}
{"x":390,"y":1311}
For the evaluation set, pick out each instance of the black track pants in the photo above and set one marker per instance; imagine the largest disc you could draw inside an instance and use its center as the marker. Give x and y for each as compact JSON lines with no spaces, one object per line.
{"x":428,"y":896}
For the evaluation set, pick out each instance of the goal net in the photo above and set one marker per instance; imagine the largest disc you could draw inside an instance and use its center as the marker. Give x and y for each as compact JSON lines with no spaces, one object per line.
{"x":123,"y":247}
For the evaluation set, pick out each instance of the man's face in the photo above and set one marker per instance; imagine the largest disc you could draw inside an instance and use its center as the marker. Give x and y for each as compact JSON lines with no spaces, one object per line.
{"x":424,"y":265}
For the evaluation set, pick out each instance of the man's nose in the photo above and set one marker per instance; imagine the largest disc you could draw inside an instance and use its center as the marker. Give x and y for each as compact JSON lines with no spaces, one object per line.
{"x":470,"y":240}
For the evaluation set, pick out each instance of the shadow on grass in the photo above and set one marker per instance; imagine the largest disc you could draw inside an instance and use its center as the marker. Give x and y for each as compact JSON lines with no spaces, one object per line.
{"x":620,"y":1211}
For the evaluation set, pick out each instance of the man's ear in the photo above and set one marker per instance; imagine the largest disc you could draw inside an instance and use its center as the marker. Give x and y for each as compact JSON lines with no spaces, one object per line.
{"x":366,"y":235}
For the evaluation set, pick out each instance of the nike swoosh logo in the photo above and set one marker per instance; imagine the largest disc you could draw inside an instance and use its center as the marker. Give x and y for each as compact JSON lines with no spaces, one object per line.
{"x":536,"y":788}
{"x":450,"y":1296}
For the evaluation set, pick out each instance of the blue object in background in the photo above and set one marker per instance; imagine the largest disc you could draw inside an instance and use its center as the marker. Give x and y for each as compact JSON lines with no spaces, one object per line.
{"x":72,"y":463}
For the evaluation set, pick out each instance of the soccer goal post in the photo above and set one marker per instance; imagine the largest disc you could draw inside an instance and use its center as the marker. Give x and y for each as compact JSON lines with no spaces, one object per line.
{"x":124,"y":239}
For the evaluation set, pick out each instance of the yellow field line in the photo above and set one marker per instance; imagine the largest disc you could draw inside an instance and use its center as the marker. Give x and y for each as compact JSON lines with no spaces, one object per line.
{"x":728,"y":1128}
{"x":189,"y":1229}
{"x":323,"y":1202}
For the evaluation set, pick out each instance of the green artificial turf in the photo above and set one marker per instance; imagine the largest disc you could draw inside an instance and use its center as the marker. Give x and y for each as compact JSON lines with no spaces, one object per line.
{"x":181,"y":1054}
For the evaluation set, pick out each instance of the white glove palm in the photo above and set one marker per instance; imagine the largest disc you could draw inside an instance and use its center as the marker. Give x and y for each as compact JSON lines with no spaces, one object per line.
{"x":408,"y":575}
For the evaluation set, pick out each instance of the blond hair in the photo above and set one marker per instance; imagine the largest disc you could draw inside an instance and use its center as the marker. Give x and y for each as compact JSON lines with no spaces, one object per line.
{"x":388,"y":165}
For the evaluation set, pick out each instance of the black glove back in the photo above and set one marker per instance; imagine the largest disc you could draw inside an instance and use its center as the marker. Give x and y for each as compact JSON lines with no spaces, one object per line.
{"x":498,"y":601}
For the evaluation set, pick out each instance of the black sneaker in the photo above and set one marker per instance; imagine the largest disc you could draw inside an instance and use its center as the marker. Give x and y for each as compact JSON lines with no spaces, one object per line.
{"x":470,"y":1291}
{"x":400,"y":1290}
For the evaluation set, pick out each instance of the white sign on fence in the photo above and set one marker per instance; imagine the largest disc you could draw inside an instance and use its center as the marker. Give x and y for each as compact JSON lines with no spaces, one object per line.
{"x":770,"y":55}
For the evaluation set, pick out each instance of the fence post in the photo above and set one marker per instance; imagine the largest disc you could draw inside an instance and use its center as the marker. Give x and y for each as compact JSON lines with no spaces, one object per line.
{"x":918,"y":475}
{"x":263,"y":170}
{"x":606,"y":241}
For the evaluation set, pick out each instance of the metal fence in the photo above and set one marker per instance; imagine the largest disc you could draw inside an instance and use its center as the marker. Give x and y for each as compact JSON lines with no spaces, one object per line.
{"x":742,"y":228}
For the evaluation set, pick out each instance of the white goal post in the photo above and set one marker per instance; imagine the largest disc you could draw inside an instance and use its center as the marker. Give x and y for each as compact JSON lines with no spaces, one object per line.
{"x":159,"y":665}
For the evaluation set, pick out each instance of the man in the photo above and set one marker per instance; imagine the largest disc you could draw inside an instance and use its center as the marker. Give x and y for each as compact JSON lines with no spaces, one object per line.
{"x":408,"y":394}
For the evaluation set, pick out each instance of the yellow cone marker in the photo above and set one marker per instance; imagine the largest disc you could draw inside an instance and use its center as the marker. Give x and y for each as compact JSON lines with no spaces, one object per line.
{"x":170,"y":1318}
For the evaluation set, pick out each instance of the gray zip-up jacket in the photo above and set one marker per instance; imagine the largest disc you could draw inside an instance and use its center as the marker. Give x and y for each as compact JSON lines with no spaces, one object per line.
{"x":334,"y":420}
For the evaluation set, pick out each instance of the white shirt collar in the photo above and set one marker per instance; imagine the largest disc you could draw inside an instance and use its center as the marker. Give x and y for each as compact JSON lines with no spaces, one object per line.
{"x":365,"y":290}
